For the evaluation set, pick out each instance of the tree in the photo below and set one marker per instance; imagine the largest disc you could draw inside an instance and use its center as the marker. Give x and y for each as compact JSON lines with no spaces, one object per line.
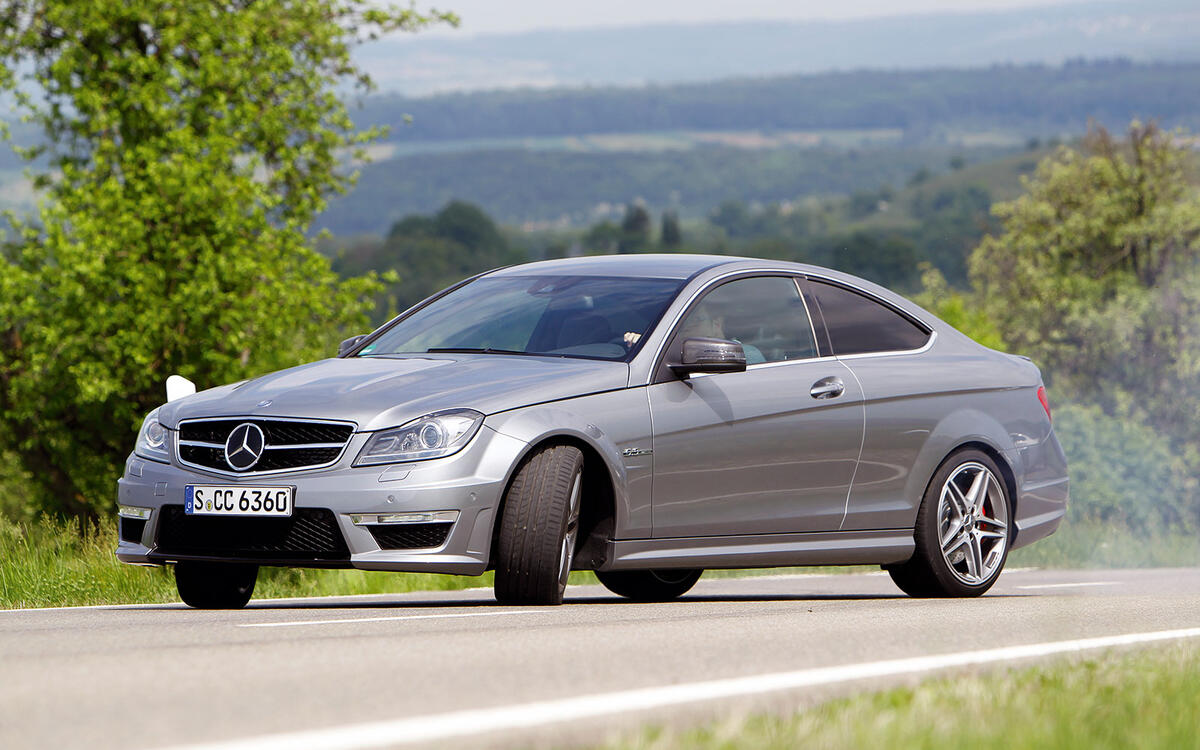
{"x":956,"y":308}
{"x":432,"y":252}
{"x":188,"y":147}
{"x":635,"y":229}
{"x":1096,"y":275}
{"x":890,"y":259}
{"x":734,"y":217}
{"x":672,"y":235}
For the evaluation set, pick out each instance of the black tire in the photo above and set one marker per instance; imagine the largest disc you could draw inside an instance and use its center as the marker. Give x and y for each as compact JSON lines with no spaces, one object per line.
{"x":539,"y":527}
{"x":649,"y":585}
{"x":929,"y":573}
{"x":206,"y":585}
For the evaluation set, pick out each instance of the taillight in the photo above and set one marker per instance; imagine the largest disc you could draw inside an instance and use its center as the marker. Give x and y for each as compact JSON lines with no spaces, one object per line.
{"x":1045,"y":401}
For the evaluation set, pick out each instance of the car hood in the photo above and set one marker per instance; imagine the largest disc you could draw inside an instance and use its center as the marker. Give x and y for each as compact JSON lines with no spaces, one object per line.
{"x":379,"y":392}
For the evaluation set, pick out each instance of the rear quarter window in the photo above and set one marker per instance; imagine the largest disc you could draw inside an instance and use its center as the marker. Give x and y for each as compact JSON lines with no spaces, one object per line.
{"x":858,"y":324}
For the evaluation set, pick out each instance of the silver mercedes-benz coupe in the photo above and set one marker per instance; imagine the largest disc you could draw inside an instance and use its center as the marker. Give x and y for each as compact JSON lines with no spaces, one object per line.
{"x":646,"y":417}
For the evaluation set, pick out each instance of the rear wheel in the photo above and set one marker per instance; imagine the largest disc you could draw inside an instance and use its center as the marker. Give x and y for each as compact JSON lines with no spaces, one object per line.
{"x":206,"y":585}
{"x":539,"y":527}
{"x":962,"y":532}
{"x":649,"y":585}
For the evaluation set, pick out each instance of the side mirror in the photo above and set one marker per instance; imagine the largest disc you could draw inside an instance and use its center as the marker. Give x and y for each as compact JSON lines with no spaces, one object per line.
{"x":178,"y":386}
{"x":709,"y":355}
{"x":349,"y":344}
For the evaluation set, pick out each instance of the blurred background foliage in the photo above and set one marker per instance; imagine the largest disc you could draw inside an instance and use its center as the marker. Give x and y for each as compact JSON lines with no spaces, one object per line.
{"x":185,"y":151}
{"x":171,"y":223}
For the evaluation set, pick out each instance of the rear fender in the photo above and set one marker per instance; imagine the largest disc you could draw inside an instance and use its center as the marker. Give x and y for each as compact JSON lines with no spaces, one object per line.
{"x":956,"y":429}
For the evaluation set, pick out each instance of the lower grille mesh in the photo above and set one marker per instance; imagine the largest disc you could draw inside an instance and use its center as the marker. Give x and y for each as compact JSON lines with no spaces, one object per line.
{"x":309,"y":534}
{"x":411,"y":535}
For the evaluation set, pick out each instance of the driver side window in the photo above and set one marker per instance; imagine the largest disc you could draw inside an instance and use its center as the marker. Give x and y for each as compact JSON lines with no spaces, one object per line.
{"x":765,"y":314}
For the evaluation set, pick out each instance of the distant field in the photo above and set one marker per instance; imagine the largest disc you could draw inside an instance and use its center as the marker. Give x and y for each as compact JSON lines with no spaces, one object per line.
{"x":670,"y":140}
{"x":594,"y":178}
{"x":926,"y":104}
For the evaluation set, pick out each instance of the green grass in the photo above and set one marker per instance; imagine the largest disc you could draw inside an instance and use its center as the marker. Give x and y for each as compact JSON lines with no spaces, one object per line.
{"x":1143,"y":699}
{"x":48,"y":564}
{"x":1091,"y":544}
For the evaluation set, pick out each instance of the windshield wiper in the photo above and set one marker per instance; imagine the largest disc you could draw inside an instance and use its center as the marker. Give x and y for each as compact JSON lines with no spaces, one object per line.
{"x":476,"y":350}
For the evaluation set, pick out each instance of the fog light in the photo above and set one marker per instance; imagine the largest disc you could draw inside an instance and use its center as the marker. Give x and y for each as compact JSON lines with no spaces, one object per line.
{"x":437,"y":516}
{"x":131,"y":511}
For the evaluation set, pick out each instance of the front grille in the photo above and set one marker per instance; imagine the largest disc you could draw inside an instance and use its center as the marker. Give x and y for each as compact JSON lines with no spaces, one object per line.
{"x":309,"y":534}
{"x":202,"y":443}
{"x":411,"y":535}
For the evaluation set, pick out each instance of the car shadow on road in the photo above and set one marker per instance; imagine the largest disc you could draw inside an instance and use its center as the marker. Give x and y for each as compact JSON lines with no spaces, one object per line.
{"x":612,"y":600}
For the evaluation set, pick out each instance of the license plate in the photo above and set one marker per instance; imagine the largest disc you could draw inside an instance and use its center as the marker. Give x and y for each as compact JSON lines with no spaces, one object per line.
{"x":225,"y":500}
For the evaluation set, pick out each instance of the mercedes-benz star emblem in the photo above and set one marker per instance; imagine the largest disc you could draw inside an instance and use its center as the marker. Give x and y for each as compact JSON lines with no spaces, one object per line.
{"x":244,"y":446}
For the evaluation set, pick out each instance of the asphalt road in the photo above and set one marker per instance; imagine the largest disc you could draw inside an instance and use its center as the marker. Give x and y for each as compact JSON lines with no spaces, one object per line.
{"x":383,"y":670}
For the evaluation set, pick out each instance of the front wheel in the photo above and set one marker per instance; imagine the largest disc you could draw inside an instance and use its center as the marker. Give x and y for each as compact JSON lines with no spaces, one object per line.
{"x":206,"y":585}
{"x":539,"y":527}
{"x":962,"y":532}
{"x":649,"y":585}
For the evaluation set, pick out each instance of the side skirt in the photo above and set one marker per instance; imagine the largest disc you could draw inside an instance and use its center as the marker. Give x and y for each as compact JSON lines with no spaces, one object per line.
{"x":882,"y":547}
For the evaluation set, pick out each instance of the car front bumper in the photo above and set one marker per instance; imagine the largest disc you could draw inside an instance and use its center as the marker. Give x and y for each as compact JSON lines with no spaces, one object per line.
{"x":471,"y":482}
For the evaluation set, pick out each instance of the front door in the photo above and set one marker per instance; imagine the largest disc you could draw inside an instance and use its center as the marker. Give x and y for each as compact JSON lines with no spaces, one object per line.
{"x":769,"y":450}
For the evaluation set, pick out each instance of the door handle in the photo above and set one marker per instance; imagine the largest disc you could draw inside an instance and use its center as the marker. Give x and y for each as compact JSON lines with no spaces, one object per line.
{"x":830,"y":387}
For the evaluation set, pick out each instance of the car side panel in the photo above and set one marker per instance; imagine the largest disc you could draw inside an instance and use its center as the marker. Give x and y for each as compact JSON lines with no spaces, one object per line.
{"x":1043,"y":486}
{"x":753,"y":452}
{"x":920,"y":407}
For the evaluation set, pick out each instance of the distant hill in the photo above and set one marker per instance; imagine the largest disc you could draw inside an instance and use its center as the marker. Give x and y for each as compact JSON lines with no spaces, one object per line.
{"x":671,"y":53}
{"x":548,"y":188}
{"x":1031,"y":99}
{"x":573,"y":156}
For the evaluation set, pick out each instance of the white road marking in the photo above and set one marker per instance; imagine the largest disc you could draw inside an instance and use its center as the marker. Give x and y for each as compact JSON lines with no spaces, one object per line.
{"x":293,"y":623}
{"x":441,"y":727}
{"x":1070,"y":585}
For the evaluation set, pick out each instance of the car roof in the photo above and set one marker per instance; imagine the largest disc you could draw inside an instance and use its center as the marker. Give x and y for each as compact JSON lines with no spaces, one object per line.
{"x":650,"y":265}
{"x":686,"y":266}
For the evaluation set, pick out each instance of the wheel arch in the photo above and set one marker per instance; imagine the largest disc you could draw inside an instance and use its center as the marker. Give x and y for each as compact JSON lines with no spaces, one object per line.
{"x":1006,"y":470}
{"x":603,"y":486}
{"x":960,"y":430}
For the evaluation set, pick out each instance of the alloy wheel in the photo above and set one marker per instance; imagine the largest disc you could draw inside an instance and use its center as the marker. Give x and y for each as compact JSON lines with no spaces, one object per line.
{"x":572,"y":531}
{"x":973,"y":523}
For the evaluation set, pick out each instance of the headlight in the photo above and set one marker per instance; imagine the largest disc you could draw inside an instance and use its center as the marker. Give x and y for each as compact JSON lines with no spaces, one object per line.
{"x":152,"y":439}
{"x":431,"y":436}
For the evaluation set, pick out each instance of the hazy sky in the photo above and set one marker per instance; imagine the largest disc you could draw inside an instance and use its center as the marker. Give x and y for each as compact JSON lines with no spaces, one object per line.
{"x":497,"y":16}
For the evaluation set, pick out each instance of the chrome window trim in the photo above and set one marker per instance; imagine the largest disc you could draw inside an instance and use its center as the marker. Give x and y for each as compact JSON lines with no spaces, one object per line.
{"x":880,"y":301}
{"x":874,"y":297}
{"x":893,"y":352}
{"x":832,"y":358}
{"x":656,"y":362}
{"x":766,"y":365}
{"x":811,"y":326}
{"x":250,"y":418}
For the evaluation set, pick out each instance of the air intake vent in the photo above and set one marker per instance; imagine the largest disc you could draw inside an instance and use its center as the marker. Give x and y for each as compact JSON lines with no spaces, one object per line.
{"x":311,"y":534}
{"x":411,"y":535}
{"x":130,"y":529}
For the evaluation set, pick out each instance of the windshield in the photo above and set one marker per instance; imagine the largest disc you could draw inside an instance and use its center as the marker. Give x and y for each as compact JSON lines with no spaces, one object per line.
{"x":591,"y":317}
